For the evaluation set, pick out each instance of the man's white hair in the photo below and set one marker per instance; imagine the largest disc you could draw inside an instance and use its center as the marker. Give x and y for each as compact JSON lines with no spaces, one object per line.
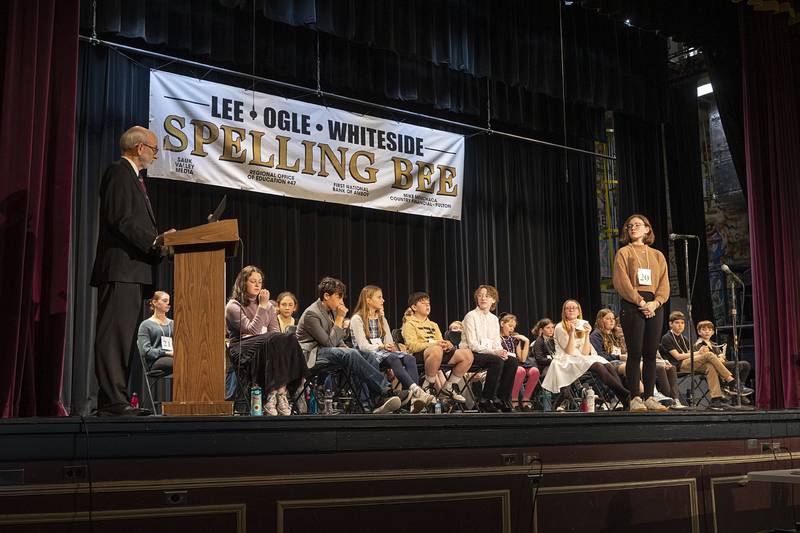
{"x":134,"y":136}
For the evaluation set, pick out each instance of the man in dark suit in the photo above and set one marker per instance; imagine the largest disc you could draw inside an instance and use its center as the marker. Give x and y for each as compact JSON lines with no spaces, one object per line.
{"x":128,"y":247}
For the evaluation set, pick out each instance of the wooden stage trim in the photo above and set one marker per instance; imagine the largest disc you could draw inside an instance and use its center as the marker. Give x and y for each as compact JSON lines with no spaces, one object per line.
{"x":661,"y":472}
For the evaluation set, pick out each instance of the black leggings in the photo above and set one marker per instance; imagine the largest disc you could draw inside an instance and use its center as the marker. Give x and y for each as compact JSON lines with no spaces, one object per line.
{"x":667,"y":381}
{"x":642,"y":335}
{"x":608,"y":375}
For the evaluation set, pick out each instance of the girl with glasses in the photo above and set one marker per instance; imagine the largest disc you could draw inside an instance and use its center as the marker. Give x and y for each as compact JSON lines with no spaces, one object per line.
{"x":642,"y":280}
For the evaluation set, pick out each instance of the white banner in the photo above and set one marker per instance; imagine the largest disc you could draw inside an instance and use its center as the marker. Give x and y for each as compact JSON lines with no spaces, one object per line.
{"x":232,"y":137}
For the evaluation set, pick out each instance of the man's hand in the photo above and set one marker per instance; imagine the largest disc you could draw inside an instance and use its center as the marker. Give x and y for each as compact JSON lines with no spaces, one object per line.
{"x":160,"y":238}
{"x":341,"y":310}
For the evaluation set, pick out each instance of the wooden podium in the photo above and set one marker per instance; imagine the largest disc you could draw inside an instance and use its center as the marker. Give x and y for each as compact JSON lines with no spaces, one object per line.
{"x":198,"y":377}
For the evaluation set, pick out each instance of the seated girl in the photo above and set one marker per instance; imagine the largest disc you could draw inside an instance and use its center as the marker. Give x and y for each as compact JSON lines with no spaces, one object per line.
{"x":607,"y":339}
{"x":287,"y":305}
{"x":527,"y":372}
{"x":544,"y":347}
{"x":258,"y":351}
{"x":372,"y":335}
{"x":575,"y":355}
{"x":155,"y":335}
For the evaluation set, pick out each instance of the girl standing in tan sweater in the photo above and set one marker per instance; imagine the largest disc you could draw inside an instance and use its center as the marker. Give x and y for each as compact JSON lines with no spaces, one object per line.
{"x":642,"y":281}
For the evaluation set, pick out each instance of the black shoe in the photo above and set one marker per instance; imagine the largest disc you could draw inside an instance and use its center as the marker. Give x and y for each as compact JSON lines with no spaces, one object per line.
{"x":487,"y":406}
{"x":503,"y":406}
{"x":717,"y":404}
{"x":123,"y":410}
{"x":730,"y":388}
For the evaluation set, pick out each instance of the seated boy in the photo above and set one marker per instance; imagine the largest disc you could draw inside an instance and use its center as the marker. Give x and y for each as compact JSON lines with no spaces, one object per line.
{"x":424,"y":339}
{"x":320,"y":332}
{"x":675,"y":349}
{"x":705,"y":330}
{"x":482,"y":337}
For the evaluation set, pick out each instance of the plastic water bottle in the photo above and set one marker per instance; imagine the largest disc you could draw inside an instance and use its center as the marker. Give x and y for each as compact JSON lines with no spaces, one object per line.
{"x":255,"y":401}
{"x":437,"y":408}
{"x":311,"y":401}
{"x":135,"y":400}
{"x":328,"y":402}
{"x":588,"y":400}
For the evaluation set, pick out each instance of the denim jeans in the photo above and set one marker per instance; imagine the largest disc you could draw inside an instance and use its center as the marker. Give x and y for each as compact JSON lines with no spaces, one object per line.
{"x":352,"y":360}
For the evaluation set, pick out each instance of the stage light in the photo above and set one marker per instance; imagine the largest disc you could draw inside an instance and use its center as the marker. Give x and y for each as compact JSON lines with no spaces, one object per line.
{"x":704,"y":89}
{"x":628,"y":22}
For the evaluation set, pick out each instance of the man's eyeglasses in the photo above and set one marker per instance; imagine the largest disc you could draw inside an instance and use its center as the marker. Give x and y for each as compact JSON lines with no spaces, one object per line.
{"x":153,"y":148}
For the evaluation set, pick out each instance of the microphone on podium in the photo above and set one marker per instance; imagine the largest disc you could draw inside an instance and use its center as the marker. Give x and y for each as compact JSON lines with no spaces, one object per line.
{"x":681,"y":237}
{"x":728,"y":271}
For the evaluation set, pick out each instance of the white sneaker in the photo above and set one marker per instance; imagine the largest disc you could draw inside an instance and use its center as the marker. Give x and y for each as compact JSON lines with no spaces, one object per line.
{"x":678,"y":405}
{"x":419,"y":393}
{"x":452,"y":394}
{"x":283,"y":407}
{"x":390,"y":405}
{"x":651,"y":404}
{"x":270,"y":404}
{"x":637,"y":405}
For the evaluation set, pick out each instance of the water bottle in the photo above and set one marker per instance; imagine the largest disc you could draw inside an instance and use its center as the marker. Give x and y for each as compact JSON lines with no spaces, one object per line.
{"x":255,"y":401}
{"x":547,"y":400}
{"x":588,"y":400}
{"x":311,"y":401}
{"x":135,"y":400}
{"x":328,"y":402}
{"x":437,"y":408}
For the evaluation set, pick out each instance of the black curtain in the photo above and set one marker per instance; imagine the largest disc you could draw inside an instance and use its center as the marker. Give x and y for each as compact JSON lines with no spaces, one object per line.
{"x":527,"y":226}
{"x":641,"y":174}
{"x":686,"y":193}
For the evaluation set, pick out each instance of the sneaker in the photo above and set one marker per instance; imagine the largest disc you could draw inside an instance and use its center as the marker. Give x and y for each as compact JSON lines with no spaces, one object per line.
{"x":730,"y":388}
{"x":637,"y":405}
{"x":388,"y":404}
{"x":404,"y":395}
{"x":677,"y":405}
{"x":651,"y":404}
{"x":283,"y":406}
{"x":419,"y":393}
{"x":417,"y":405}
{"x":451,"y":393}
{"x":270,"y":404}
{"x":717,"y":404}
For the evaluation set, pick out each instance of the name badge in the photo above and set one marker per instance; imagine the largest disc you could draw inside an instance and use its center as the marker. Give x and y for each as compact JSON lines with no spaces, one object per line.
{"x":376,"y":342}
{"x":645,"y":276}
{"x":166,"y":343}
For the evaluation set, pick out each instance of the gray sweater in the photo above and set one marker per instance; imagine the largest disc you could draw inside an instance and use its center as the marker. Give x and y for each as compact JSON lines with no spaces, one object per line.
{"x":149,"y":339}
{"x":316,"y":329}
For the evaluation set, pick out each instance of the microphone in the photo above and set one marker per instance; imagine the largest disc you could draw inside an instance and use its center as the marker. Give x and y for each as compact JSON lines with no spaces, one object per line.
{"x":681,"y":237}
{"x":728,"y":271}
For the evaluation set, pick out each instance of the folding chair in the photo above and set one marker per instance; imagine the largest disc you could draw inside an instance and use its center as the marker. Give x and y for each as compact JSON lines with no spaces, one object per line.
{"x":343,"y":387}
{"x":152,"y":379}
{"x":700,"y":388}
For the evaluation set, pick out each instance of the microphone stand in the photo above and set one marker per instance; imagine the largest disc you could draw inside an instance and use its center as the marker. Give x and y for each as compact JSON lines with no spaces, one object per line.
{"x":734,"y":312}
{"x":690,"y":396}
